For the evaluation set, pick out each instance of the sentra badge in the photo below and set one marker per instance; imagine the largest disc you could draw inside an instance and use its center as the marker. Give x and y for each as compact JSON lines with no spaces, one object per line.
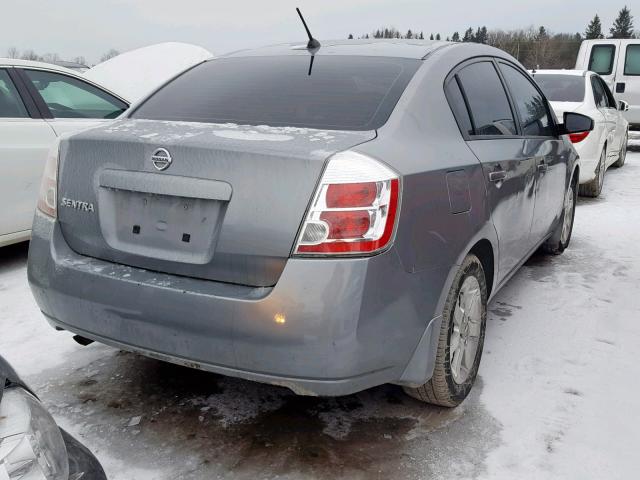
{"x":77,"y":205}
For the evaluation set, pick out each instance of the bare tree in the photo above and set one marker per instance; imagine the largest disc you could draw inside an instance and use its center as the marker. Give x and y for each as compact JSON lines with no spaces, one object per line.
{"x":81,"y":60}
{"x":13,"y":52}
{"x":110,"y":54}
{"x":51,"y":57}
{"x":30,"y":55}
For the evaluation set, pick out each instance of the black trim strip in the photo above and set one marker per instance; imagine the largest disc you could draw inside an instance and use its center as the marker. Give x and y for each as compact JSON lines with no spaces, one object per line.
{"x":33,"y":91}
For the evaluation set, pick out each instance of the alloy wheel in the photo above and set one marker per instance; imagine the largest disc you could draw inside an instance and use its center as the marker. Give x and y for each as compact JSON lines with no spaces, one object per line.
{"x":467,"y":325}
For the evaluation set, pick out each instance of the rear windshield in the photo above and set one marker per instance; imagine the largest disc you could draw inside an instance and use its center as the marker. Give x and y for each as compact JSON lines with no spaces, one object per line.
{"x":332,"y":92}
{"x":562,"y":88}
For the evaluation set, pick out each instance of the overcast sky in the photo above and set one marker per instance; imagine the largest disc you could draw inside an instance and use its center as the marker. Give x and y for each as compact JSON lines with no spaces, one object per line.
{"x":90,"y":27}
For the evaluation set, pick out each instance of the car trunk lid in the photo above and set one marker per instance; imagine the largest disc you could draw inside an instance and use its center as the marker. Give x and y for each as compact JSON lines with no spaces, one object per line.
{"x":226,"y":207}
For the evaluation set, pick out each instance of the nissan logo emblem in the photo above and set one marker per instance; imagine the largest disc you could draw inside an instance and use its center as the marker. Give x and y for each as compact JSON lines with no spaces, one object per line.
{"x":161,"y":159}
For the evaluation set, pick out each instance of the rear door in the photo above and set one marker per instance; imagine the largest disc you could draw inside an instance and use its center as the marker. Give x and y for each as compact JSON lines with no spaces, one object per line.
{"x":627,"y":86}
{"x":494,"y":137}
{"x":610,"y":116}
{"x":543,"y":145}
{"x":24,"y":141}
{"x":615,"y":118}
{"x":70,"y":104}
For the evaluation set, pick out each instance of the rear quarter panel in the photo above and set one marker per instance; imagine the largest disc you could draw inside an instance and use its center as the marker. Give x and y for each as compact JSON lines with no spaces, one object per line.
{"x":423,"y":143}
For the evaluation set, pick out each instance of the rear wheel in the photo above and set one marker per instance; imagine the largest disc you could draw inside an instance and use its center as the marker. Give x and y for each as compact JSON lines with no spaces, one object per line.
{"x":561,"y":237}
{"x":623,"y":152}
{"x":461,"y":339}
{"x":594,"y":187}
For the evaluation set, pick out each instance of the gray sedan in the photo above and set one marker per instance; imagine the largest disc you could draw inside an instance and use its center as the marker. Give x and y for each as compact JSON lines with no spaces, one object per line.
{"x":323,"y":218}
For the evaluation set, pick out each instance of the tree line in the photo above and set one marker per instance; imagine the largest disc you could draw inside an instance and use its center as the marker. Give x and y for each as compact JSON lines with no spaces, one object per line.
{"x":13,"y":52}
{"x":533,"y":47}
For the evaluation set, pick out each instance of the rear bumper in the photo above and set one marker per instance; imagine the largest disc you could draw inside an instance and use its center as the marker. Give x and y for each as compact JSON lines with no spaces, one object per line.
{"x":349,"y":324}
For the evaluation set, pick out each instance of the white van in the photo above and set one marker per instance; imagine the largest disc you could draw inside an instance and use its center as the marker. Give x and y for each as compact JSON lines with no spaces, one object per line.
{"x":618,"y":62}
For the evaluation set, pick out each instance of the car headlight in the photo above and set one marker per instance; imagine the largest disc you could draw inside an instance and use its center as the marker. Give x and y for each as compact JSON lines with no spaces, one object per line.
{"x":31,"y":445}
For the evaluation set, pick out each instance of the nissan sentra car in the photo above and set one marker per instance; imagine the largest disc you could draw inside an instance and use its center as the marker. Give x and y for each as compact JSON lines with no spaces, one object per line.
{"x":327,"y":219}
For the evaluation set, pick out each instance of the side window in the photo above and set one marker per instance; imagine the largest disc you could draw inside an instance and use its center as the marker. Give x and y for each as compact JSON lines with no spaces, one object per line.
{"x":490,"y":110}
{"x":11,"y":105}
{"x":68,"y":97}
{"x":598,"y":93}
{"x":601,"y":59}
{"x":632,"y":60}
{"x":530,"y":103}
{"x":611,"y":101}
{"x":458,"y":106}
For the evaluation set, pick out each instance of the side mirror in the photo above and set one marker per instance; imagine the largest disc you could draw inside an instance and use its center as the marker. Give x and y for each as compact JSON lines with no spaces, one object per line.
{"x":623,"y":106}
{"x":575,"y":123}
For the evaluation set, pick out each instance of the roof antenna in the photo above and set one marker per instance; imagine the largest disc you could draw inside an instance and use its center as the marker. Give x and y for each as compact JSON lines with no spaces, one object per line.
{"x":313,"y":43}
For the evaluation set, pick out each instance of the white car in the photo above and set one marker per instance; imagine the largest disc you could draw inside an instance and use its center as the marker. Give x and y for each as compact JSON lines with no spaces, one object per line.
{"x":586,"y":92}
{"x":39,"y":102}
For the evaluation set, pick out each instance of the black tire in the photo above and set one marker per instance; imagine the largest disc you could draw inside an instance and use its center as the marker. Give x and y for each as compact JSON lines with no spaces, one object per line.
{"x":556,"y":244}
{"x":442,"y":389}
{"x":622,"y":157}
{"x":593,"y":189}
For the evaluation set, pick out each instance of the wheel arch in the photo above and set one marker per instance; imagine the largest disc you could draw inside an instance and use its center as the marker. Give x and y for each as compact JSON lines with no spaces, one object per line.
{"x":483,"y":249}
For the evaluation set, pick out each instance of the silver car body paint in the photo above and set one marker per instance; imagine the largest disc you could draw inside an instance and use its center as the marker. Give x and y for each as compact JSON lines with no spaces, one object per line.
{"x":243,"y":306}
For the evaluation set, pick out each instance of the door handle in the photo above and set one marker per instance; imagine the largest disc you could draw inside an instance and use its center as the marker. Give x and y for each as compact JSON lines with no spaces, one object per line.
{"x":497,"y":176}
{"x":542,"y":166}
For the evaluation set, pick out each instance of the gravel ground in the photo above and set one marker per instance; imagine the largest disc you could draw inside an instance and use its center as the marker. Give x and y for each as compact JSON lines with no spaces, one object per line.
{"x":555,"y":397}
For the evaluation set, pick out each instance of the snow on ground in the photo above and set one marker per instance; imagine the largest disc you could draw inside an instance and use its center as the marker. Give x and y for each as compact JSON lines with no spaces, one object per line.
{"x":556,"y":398}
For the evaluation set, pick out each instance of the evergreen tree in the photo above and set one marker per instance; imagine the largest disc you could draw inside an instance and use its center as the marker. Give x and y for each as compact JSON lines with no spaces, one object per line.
{"x":455,"y":37}
{"x":623,"y":25}
{"x":421,"y":36}
{"x":481,"y":35}
{"x":431,"y":37}
{"x":409,"y":34}
{"x":468,"y":35}
{"x":594,"y":29}
{"x":351,"y":36}
{"x":448,"y":39}
{"x":437,"y":36}
{"x":542,"y":34}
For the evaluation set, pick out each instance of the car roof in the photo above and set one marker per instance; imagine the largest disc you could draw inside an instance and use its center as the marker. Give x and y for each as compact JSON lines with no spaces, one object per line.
{"x":401,"y":48}
{"x":578,"y":73}
{"x":15,"y":62}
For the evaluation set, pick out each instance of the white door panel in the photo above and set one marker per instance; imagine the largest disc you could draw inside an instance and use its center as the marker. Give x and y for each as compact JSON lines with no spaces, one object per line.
{"x":24,"y":143}
{"x":627,"y":83}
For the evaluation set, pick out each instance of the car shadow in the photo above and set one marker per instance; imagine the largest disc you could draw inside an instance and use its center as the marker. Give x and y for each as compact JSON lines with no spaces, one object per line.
{"x":13,"y":256}
{"x":250,"y":429}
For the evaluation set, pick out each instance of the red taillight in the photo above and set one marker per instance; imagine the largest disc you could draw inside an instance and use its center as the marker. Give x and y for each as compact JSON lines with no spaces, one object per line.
{"x":347,"y":224}
{"x":578,"y":137}
{"x":354,"y":209}
{"x":347,"y":195}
